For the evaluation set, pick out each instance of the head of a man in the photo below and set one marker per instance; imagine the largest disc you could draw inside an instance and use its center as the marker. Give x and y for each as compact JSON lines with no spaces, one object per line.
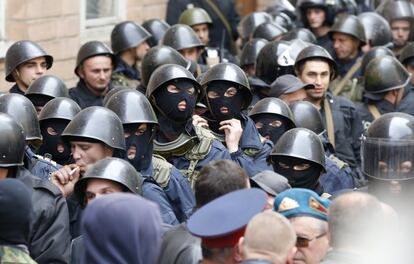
{"x":308,"y":213}
{"x":96,"y":72}
{"x":316,"y":17}
{"x":218,"y":178}
{"x":269,"y":236}
{"x":400,"y":30}
{"x":316,"y":71}
{"x":346,"y":46}
{"x":29,"y":71}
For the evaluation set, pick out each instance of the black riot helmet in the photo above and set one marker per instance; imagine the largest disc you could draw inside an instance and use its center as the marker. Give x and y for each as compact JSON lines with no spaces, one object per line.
{"x":316,"y":52}
{"x":303,"y":34}
{"x":249,"y":23}
{"x":12,"y":141}
{"x":131,"y":107}
{"x":250,"y":51}
{"x":158,"y":56}
{"x":407,"y":54}
{"x":374,"y":53}
{"x":288,"y":57}
{"x":98,"y":124}
{"x":273,"y":106}
{"x":398,"y":10}
{"x":169,"y":72}
{"x":284,"y":20}
{"x":23,"y":111}
{"x":181,"y":37}
{"x":126,"y":35}
{"x":326,"y":5}
{"x":231,"y":73}
{"x":113,"y":169}
{"x":59,"y":108}
{"x":91,"y":49}
{"x":22,"y":51}
{"x":113,"y":91}
{"x":306,"y":115}
{"x":386,"y":146}
{"x":46,"y":88}
{"x":268,"y":31}
{"x":267,"y":67}
{"x":350,"y":25}
{"x":300,"y":143}
{"x":377,"y":29}
{"x":157,"y":28}
{"x":384,"y":74}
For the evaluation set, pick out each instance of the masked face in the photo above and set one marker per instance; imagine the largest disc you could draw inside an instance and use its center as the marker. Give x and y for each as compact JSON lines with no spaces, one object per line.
{"x":225,"y":100}
{"x":176,"y":99}
{"x":138,"y":139}
{"x":271,"y":126}
{"x":300,"y":173}
{"x":52,"y":142}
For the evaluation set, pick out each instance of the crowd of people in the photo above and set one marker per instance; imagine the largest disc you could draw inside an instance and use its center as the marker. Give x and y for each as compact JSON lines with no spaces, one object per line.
{"x":286,"y":136}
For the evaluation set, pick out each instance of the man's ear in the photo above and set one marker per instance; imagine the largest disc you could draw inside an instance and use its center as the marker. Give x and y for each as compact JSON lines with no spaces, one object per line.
{"x":238,"y":253}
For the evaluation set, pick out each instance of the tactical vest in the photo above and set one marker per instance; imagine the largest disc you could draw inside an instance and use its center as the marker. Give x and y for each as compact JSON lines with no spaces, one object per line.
{"x":120,"y":80}
{"x":192,"y":149}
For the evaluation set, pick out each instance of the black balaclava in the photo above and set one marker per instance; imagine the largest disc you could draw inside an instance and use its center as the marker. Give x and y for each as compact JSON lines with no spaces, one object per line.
{"x":15,"y":212}
{"x":142,"y":143}
{"x":167,"y":102}
{"x":308,"y":178}
{"x":51,"y":142}
{"x":268,"y":131}
{"x":234,"y":104}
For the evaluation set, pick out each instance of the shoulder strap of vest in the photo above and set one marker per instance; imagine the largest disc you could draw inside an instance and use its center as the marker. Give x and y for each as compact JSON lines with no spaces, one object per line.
{"x":329,"y":122}
{"x":198,"y":152}
{"x":338,"y":89}
{"x":374,"y":111}
{"x":161,"y":170}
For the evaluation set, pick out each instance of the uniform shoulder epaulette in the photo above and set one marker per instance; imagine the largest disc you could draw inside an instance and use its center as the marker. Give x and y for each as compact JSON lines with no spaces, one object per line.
{"x":47,"y":160}
{"x":161,"y":170}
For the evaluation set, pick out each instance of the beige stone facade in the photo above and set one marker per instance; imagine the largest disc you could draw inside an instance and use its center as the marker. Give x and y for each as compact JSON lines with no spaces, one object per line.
{"x":60,"y":27}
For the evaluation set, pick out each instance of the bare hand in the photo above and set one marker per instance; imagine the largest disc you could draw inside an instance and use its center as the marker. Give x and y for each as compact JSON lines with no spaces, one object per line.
{"x":199,"y":121}
{"x":65,"y":178}
{"x":233,"y":132}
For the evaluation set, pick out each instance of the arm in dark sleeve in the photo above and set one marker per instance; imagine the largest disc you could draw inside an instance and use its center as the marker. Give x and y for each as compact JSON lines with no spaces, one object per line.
{"x":256,"y":164}
{"x":155,"y":193}
{"x":49,"y":237}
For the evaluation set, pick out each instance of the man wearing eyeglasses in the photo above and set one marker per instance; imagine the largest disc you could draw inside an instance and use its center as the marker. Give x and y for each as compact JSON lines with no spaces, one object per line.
{"x":308,"y":214}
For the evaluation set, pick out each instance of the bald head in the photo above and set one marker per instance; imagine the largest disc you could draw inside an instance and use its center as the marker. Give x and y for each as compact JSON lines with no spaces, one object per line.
{"x":354,"y":220}
{"x":269,"y":235}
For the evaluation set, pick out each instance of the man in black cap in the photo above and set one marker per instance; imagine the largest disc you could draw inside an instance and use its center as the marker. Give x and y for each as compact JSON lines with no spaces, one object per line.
{"x":272,"y":183}
{"x":222,"y":222}
{"x":94,"y":65}
{"x":289,"y":88}
{"x":25,"y":62}
{"x":15,"y":224}
{"x":129,"y":43}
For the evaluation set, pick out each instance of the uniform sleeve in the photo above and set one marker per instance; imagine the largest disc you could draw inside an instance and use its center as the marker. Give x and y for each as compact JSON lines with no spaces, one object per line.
{"x":180,"y":194}
{"x":155,"y":193}
{"x":50,"y":237}
{"x":256,"y":164}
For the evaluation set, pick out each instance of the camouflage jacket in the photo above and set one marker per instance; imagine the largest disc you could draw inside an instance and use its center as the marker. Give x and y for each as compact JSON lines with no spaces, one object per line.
{"x":15,"y":254}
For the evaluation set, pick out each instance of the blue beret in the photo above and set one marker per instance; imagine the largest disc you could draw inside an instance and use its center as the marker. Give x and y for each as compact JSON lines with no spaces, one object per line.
{"x":221,"y":222}
{"x":301,"y":202}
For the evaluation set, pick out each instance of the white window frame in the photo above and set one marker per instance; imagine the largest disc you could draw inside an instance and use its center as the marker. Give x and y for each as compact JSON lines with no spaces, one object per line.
{"x":100,"y":28}
{"x":4,"y":43}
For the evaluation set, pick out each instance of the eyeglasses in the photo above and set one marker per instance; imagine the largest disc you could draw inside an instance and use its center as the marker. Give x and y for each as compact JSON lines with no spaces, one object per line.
{"x":304,"y":241}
